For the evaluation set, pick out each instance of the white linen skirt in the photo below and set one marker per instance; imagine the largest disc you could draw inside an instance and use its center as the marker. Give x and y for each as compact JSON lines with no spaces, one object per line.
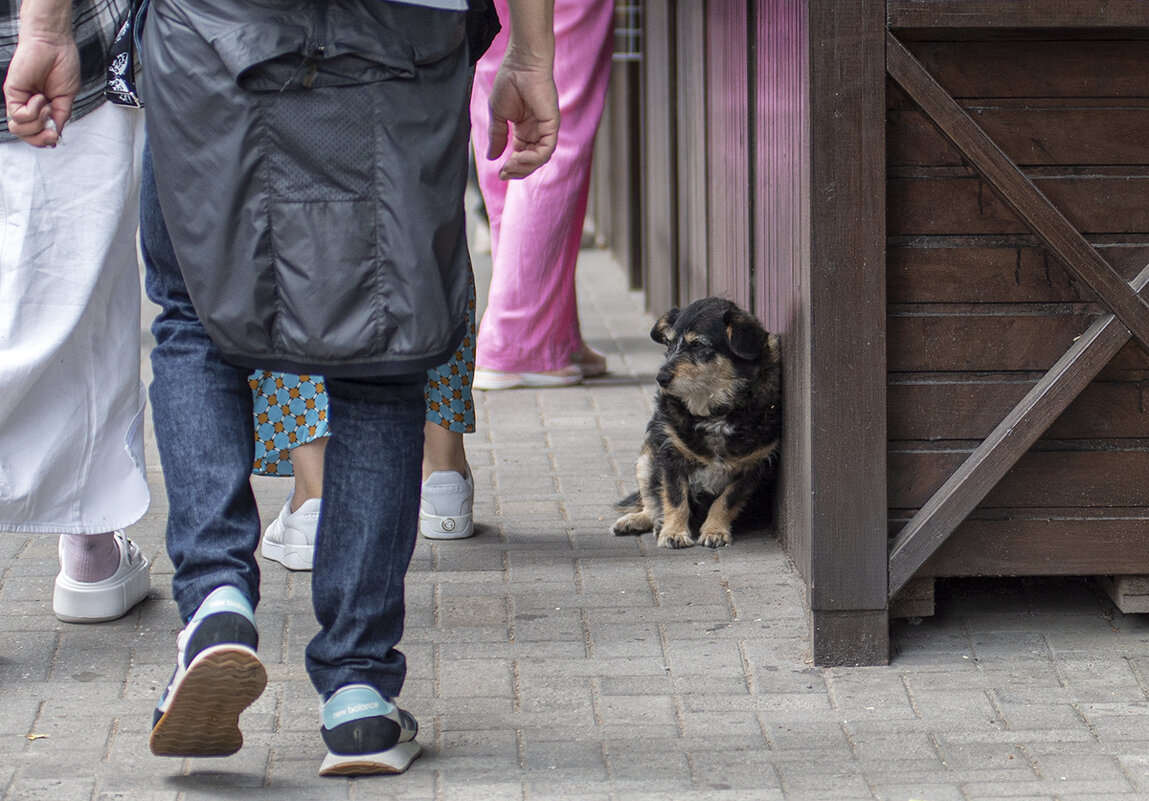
{"x":71,"y":401}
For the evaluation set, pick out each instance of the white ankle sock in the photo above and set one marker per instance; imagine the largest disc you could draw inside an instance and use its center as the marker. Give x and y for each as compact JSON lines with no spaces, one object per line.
{"x":89,"y":557}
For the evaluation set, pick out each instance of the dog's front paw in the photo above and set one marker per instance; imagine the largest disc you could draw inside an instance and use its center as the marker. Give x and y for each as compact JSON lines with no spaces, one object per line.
{"x":634,"y":523}
{"x":674,"y":539}
{"x":715,"y":537}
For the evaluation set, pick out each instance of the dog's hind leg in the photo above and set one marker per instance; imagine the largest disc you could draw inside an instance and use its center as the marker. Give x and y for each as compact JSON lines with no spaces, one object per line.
{"x":642,"y":506}
{"x":634,"y":523}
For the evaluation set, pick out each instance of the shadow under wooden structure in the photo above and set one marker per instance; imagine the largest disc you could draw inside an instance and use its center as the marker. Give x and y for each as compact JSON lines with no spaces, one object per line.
{"x":943,"y":206}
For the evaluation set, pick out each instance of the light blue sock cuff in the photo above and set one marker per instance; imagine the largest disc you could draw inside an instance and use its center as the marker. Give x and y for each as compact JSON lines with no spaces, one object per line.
{"x":224,"y":599}
{"x":353,"y":702}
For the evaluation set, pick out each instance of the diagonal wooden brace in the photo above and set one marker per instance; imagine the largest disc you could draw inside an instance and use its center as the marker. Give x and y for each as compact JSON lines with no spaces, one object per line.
{"x":1027,"y":201}
{"x":1012,"y":437}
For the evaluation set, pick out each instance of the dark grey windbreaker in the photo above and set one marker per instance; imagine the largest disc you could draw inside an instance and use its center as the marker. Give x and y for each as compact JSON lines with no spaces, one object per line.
{"x":311,"y":158}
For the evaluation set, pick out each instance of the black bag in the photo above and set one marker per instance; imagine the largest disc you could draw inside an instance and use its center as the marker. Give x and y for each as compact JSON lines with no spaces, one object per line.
{"x":482,"y":27}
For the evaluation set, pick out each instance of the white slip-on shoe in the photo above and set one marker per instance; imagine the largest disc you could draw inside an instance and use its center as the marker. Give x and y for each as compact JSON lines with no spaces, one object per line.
{"x":290,"y":539}
{"x":445,"y":506}
{"x":96,"y":601}
{"x":488,"y":379}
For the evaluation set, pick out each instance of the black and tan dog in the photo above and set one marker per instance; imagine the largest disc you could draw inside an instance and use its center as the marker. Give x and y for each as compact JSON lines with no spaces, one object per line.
{"x":713,"y":439}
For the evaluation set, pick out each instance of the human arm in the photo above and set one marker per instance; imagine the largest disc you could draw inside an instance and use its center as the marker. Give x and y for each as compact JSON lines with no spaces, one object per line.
{"x":44,"y":75}
{"x":524,"y":102}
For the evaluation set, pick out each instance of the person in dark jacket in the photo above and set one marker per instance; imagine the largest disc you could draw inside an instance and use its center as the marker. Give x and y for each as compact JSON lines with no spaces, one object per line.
{"x":302,"y":209}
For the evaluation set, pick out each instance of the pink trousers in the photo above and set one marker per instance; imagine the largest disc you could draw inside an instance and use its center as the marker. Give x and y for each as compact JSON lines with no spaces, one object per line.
{"x":531,"y":320}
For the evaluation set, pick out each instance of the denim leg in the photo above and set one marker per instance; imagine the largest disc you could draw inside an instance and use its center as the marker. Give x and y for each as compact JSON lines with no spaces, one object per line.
{"x":202,"y":408}
{"x":367,"y":527}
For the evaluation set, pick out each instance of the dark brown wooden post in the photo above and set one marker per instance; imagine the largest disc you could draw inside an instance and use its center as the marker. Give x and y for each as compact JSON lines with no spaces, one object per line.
{"x":846,"y":311}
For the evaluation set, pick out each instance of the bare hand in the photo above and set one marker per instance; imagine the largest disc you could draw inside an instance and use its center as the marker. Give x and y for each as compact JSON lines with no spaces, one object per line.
{"x":524,"y":108}
{"x":43,"y":80}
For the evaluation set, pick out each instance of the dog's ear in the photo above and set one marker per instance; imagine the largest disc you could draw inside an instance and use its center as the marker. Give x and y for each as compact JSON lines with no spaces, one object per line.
{"x":746,"y":335}
{"x":663,"y":331}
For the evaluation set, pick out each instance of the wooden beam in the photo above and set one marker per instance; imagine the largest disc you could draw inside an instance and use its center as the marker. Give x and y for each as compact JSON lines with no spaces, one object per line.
{"x":1012,"y":437}
{"x":1017,"y":14}
{"x":1015,"y":189}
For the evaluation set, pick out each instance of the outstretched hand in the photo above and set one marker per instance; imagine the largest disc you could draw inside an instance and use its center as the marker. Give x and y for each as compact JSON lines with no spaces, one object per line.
{"x":43,"y":80}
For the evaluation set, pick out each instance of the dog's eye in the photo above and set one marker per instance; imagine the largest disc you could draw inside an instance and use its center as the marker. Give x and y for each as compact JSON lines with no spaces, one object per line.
{"x":702,"y":350}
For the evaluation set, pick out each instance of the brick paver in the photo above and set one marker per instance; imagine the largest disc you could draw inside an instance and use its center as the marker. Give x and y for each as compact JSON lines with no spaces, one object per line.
{"x":549,"y":659}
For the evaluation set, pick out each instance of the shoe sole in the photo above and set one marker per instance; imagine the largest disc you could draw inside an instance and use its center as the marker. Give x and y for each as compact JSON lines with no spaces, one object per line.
{"x":73,"y":602}
{"x":395,"y":759}
{"x":486,"y":380}
{"x":293,"y":557}
{"x":203,"y":718}
{"x":459,"y":528}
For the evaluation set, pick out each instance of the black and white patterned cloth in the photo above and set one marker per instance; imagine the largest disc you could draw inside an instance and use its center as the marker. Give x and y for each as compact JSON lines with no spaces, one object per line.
{"x":95,"y":23}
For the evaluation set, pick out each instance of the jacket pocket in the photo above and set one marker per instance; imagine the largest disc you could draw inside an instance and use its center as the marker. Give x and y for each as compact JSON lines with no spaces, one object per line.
{"x":343,"y":271}
{"x":336,"y":45}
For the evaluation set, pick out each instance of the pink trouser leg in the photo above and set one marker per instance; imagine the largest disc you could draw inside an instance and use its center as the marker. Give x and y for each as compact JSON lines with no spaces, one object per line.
{"x":531,"y":320}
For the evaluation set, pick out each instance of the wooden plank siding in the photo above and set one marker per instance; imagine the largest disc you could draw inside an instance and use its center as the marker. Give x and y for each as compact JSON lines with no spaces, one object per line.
{"x":729,"y":184}
{"x":692,"y":228}
{"x":980,"y":309}
{"x":976,"y":16}
{"x":659,"y":154}
{"x":615,"y":204}
{"x":782,"y":241}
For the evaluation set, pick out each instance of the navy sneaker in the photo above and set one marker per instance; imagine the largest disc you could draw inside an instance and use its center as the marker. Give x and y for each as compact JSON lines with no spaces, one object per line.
{"x":365,"y":733}
{"x":217,"y":676}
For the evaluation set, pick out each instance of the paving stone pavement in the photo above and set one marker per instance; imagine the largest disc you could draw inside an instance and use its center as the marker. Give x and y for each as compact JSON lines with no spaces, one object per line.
{"x":550,"y":660}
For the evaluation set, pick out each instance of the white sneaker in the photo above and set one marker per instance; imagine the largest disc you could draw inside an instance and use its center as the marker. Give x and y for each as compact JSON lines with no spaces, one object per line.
{"x":445,"y":506}
{"x":96,"y":601}
{"x":290,"y":539}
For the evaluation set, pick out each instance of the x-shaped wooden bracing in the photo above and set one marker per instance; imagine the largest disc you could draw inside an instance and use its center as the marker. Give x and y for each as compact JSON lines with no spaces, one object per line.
{"x":1013,"y":436}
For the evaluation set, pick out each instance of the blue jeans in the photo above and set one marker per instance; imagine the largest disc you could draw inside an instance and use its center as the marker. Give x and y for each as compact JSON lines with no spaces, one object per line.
{"x":202,"y":408}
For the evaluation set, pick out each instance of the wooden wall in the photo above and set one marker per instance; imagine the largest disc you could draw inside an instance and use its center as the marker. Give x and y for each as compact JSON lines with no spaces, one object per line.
{"x":780,"y":138}
{"x":979,"y":309}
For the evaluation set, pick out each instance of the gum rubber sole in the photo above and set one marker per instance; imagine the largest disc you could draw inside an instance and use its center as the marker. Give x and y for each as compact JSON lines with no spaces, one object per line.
{"x":203,"y":718}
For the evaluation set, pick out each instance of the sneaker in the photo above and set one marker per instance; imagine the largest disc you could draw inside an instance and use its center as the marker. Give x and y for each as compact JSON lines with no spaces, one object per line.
{"x":366,"y":733}
{"x":96,"y":601}
{"x":217,"y":676}
{"x":445,"y":506}
{"x":290,"y":539}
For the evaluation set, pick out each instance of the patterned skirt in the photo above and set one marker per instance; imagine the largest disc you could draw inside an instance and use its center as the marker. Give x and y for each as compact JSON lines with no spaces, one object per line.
{"x":291,"y":410}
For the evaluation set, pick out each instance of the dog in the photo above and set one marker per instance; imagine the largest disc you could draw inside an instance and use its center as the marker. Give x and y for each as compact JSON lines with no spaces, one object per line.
{"x":712,"y":442}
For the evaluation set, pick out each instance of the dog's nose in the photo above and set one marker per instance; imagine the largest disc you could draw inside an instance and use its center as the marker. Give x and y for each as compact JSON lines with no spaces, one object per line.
{"x":664,"y":378}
